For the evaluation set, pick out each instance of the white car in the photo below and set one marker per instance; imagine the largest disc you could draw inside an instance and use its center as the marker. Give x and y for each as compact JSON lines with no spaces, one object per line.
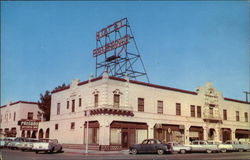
{"x":47,"y":145}
{"x":179,"y":148}
{"x":27,"y":144}
{"x":203,"y":146}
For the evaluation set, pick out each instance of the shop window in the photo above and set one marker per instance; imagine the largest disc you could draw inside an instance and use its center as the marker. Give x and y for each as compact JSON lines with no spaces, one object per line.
{"x":80,"y":102}
{"x":224,"y":114}
{"x":30,"y":116}
{"x":116,"y":100}
{"x":160,"y":107}
{"x":199,"y":111}
{"x":72,"y":125}
{"x":93,"y":135}
{"x":56,"y":126}
{"x":237,"y":116}
{"x":115,"y":136}
{"x":141,"y":104}
{"x":67,"y":104}
{"x":58,"y":108}
{"x":96,"y":100}
{"x":178,"y":109}
{"x":192,"y":108}
{"x":73,"y":105}
{"x":246,"y":117}
{"x":141,"y":134}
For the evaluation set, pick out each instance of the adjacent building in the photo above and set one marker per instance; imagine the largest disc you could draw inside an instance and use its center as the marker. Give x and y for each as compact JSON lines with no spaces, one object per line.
{"x":19,"y":119}
{"x":111,"y":113}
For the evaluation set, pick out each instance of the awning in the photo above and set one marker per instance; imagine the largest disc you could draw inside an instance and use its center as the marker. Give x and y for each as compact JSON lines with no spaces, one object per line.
{"x":241,"y":131}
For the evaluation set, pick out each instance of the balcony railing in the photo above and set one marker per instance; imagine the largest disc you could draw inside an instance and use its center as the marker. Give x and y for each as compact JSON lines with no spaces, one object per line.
{"x":111,"y":107}
{"x":212,"y":118}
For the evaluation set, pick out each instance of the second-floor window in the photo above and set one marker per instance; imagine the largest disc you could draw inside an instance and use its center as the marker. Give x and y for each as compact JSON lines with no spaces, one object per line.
{"x":67,"y":104}
{"x":160,"y":107}
{"x":73,"y":105}
{"x":30,"y":116}
{"x":96,"y":100}
{"x":14,"y":117}
{"x":72,"y":125}
{"x":237,"y":116}
{"x":141,"y":104}
{"x":246,"y":117}
{"x":58,"y":108}
{"x":211,"y":112}
{"x":224,"y":114}
{"x":116,"y":100}
{"x":80,"y":102}
{"x":199,"y":111}
{"x":178,"y":109}
{"x":56,"y":126}
{"x":192,"y":109}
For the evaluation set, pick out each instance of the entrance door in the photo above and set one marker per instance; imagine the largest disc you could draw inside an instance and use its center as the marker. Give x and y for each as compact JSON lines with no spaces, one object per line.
{"x":125,"y":139}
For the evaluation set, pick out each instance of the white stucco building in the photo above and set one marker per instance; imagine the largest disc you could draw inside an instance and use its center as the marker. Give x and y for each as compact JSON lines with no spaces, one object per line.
{"x":15,"y":116}
{"x":123,"y":112}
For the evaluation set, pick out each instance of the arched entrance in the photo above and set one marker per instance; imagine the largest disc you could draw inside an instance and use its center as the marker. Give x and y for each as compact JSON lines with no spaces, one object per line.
{"x":23,"y":134}
{"x":40,"y":134}
{"x":211,"y":134}
{"x":226,"y":134}
{"x":33,"y":134}
{"x":47,"y":133}
{"x":28,"y":134}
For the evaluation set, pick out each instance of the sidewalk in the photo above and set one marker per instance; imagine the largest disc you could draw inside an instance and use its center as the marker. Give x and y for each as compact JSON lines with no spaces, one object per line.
{"x":94,"y":152}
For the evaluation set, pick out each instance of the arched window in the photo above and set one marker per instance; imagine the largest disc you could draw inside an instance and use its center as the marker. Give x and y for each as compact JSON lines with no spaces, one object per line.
{"x":33,"y":134}
{"x":40,"y":134}
{"x":28,"y":134}
{"x":47,"y":133}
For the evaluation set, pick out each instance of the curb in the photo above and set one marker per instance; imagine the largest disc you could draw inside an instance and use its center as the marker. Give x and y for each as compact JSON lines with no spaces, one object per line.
{"x":86,"y":154}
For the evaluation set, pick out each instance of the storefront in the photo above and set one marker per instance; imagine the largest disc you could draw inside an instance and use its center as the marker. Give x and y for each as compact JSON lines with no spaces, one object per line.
{"x":242,"y":133}
{"x":125,"y":134}
{"x":195,"y":133}
{"x":169,"y":133}
{"x":226,"y":134}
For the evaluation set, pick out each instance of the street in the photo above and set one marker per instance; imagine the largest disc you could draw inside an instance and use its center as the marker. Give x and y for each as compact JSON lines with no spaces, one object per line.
{"x":17,"y":155}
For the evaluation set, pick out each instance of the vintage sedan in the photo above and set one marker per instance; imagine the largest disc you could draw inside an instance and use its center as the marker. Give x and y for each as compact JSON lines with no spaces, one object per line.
{"x":150,"y":146}
{"x":16,"y":143}
{"x":203,"y":146}
{"x":47,"y":145}
{"x":27,"y":144}
{"x":179,"y":148}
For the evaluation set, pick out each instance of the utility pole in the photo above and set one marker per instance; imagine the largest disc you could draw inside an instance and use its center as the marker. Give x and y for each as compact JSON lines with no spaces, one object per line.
{"x":246,"y":95}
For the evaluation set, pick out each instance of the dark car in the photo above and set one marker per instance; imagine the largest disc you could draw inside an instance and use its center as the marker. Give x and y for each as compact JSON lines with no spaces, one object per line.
{"x":150,"y":146}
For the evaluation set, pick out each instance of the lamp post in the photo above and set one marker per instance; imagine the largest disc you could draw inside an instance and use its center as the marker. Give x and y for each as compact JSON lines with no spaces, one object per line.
{"x":87,"y":133}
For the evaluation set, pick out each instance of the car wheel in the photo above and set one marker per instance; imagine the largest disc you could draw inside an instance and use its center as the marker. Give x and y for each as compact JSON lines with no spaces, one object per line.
{"x":209,"y":151}
{"x":60,"y":150}
{"x":37,"y":152}
{"x":241,"y":150}
{"x":134,"y":151}
{"x":52,"y":150}
{"x":183,"y":151}
{"x":23,"y":150}
{"x":223,"y":150}
{"x":160,"y":151}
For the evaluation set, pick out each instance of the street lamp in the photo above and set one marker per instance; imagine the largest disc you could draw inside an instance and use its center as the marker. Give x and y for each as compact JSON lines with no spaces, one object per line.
{"x":87,"y":132}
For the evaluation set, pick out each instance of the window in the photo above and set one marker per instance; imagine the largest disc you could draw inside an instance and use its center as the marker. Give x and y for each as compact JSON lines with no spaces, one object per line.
{"x":30,"y":116}
{"x":224,"y":114}
{"x":80,"y":102}
{"x":67,"y":104}
{"x":14,"y":118}
{"x":116,"y":100}
{"x":211,"y":112}
{"x":56,"y":126}
{"x":237,"y":116}
{"x":192,"y":108}
{"x":58,"y":108}
{"x":246,"y":117}
{"x":178,"y":109}
{"x":73,"y":105}
{"x":160,"y":107}
{"x":10,"y":116}
{"x":199,"y":111}
{"x":72,"y":125}
{"x":96,"y":100}
{"x":141,"y":104}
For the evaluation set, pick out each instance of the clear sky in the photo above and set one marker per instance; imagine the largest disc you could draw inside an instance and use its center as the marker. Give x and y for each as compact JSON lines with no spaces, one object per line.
{"x":182,"y":44}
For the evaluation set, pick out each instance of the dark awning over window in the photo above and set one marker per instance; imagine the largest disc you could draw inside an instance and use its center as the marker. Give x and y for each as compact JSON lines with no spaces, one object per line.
{"x":242,"y":131}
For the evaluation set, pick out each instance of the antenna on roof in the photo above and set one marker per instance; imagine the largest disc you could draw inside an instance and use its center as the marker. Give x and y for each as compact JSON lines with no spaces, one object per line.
{"x":246,"y":95}
{"x":117,"y":53}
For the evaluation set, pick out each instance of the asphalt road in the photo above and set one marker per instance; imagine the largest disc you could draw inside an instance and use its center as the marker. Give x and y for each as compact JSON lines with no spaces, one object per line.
{"x":19,"y":155}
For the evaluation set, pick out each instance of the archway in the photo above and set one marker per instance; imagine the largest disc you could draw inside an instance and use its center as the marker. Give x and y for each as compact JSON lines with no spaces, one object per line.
{"x":33,"y":134}
{"x":28,"y":134}
{"x":23,"y":134}
{"x":47,"y":133}
{"x":40,"y":134}
{"x":211,"y":134}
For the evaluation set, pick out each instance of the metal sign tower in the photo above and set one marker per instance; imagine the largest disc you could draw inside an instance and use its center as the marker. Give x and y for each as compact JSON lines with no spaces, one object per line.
{"x":117,"y":53}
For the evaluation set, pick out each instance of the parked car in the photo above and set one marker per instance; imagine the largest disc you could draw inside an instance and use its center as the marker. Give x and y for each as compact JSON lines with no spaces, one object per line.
{"x":222,"y":147}
{"x":179,"y":148}
{"x":238,"y":146}
{"x":2,"y":143}
{"x":15,"y":143}
{"x":150,"y":146}
{"x":203,"y":146}
{"x":47,"y":145}
{"x":7,"y":140}
{"x":27,"y":144}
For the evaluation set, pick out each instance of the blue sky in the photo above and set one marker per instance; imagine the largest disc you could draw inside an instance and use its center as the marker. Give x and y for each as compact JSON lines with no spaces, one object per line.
{"x":182,"y":44}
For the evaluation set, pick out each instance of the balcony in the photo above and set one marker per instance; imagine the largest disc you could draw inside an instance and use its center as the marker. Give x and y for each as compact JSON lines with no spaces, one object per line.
{"x":110,"y":110}
{"x":212,"y":118}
